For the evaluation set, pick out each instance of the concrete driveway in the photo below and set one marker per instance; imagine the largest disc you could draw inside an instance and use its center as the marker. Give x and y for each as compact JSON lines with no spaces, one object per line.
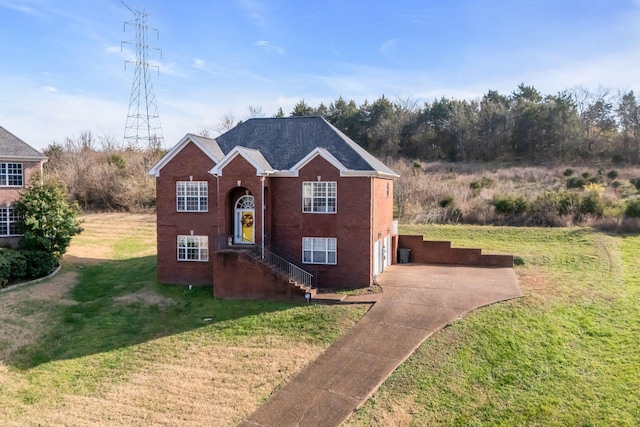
{"x":417,"y":301}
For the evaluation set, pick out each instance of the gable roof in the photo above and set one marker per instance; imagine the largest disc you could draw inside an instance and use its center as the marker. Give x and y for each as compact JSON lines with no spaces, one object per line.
{"x":282,"y":146}
{"x":254,"y":157}
{"x":207,"y":145}
{"x":284,"y":142}
{"x":13,"y":148}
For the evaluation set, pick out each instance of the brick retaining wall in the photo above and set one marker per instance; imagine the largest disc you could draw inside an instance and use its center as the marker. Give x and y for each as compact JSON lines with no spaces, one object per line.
{"x":441,"y":252}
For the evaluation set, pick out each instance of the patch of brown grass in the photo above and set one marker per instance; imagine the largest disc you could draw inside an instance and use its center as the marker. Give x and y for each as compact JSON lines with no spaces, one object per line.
{"x":214,"y":384}
{"x":145,"y":296}
{"x":20,"y":317}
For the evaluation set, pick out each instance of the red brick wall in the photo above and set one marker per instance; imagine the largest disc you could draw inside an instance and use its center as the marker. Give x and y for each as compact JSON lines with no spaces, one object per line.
{"x":383,"y":211}
{"x":189,"y":162}
{"x":10,"y":194}
{"x":239,"y":277}
{"x":435,"y":252}
{"x":350,"y":225}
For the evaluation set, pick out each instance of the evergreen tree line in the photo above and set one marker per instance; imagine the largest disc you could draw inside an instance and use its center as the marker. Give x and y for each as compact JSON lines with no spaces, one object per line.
{"x":575,"y":124}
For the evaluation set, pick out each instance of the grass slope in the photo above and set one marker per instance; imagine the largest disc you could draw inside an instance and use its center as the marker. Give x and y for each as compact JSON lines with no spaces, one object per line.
{"x":104,"y":344}
{"x":110,"y":346}
{"x":565,"y":354}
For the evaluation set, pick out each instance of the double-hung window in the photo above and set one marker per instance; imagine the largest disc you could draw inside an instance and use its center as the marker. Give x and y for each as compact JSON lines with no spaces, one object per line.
{"x":8,"y":222}
{"x":192,"y":196}
{"x":11,"y":174}
{"x":319,"y":196}
{"x":319,"y":250}
{"x":193,"y":248}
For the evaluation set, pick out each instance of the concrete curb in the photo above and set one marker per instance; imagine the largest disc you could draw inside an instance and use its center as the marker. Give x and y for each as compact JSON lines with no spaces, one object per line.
{"x":31,"y":282}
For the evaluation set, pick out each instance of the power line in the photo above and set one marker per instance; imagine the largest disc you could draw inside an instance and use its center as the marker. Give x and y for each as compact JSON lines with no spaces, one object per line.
{"x":143,"y":128}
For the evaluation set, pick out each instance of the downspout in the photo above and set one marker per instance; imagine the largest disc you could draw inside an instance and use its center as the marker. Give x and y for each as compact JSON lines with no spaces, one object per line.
{"x":262,"y":215}
{"x":373,"y":222}
{"x":218,"y":233}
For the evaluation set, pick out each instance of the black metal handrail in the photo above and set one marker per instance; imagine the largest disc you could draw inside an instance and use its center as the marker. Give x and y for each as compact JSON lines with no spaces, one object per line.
{"x":267,"y":257}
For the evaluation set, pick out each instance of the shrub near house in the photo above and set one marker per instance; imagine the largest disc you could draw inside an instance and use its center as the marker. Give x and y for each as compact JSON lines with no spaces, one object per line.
{"x":48,"y":222}
{"x":38,"y":218}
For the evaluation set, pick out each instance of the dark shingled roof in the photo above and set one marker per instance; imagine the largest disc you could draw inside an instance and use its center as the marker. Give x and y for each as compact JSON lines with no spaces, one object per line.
{"x":285,"y":141}
{"x":13,"y":147}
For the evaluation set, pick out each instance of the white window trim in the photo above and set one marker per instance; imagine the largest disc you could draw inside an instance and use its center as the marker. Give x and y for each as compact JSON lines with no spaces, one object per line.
{"x":312,"y":186}
{"x":309,"y":245}
{"x":202,"y":194}
{"x":201,"y":250}
{"x":6,"y":174}
{"x":5,"y":226}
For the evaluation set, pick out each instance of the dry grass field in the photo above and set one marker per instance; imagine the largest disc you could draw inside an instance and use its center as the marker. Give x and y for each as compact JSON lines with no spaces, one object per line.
{"x":102,"y":344}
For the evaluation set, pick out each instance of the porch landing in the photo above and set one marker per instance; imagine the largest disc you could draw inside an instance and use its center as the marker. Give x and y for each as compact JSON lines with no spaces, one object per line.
{"x":417,"y":301}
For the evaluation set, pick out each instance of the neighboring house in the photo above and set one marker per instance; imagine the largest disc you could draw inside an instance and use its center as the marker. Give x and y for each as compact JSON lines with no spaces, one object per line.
{"x":294,"y":187}
{"x":18,"y":161}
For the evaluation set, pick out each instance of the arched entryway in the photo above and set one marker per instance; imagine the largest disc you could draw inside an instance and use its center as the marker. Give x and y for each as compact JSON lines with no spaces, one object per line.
{"x":244,"y":220}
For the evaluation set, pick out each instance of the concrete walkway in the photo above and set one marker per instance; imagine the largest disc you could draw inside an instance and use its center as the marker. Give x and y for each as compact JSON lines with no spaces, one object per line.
{"x":417,"y":301}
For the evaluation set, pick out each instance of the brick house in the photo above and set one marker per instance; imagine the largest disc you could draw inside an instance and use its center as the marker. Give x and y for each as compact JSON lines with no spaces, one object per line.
{"x":272,"y":208}
{"x":18,"y":161}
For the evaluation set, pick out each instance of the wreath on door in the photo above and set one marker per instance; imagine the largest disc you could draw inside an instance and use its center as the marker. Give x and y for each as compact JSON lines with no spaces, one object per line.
{"x":247,"y":220}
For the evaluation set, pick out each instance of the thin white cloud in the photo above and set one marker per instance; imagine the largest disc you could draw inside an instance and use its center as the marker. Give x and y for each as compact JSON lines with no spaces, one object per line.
{"x":256,"y":10}
{"x":268,"y":47}
{"x":199,"y":64}
{"x":387,"y":47}
{"x":23,"y":6}
{"x":49,"y":89}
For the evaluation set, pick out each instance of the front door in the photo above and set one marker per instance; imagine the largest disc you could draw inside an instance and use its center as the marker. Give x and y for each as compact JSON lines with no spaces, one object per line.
{"x":244,"y":223}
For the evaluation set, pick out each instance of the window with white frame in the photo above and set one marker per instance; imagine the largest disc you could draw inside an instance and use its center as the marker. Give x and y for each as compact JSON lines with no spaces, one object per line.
{"x":319,"y":250}
{"x":8,"y":222}
{"x":319,"y":196}
{"x":11,"y":174}
{"x":192,"y":196}
{"x":193,"y":248}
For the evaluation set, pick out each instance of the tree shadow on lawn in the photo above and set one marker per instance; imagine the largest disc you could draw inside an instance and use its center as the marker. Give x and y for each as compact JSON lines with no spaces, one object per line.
{"x":117,"y":304}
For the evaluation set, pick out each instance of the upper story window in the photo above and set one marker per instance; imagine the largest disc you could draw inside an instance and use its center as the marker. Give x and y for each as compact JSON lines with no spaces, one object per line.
{"x":319,"y":250}
{"x":11,"y":174}
{"x":8,"y":222}
{"x":319,"y":196}
{"x":192,"y":196}
{"x":193,"y":248}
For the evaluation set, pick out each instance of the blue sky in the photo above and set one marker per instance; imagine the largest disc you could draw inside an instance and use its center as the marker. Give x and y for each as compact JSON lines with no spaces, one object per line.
{"x":62,"y":68}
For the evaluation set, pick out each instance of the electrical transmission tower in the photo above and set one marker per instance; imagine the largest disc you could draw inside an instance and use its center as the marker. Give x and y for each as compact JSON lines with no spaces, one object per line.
{"x":143,"y":127}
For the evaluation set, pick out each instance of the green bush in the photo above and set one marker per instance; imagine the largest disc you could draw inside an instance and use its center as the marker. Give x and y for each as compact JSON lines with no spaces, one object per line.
{"x":613,"y":174}
{"x":553,"y":208}
{"x":636,"y":183}
{"x":633,"y":209}
{"x":5,"y":271}
{"x":477,"y":185}
{"x":14,"y":266}
{"x":447,"y":201}
{"x":576,"y":182}
{"x":592,"y":204}
{"x":586,"y":175}
{"x":510,"y":205}
{"x":47,"y":220}
{"x":568,"y":172}
{"x":39,"y":263}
